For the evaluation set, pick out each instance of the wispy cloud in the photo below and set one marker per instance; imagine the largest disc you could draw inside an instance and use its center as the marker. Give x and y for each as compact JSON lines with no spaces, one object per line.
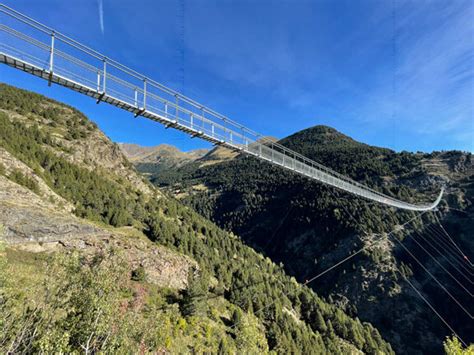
{"x":406,"y":66}
{"x":101,"y":15}
{"x":397,"y":73}
{"x":433,"y":72}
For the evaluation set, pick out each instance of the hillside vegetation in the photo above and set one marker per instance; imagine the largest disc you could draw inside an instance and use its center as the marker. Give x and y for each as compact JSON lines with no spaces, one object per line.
{"x":64,"y":294}
{"x":309,"y":227}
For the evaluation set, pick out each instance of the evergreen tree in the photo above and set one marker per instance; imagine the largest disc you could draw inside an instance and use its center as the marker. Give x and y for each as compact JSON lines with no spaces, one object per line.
{"x":193,"y":303}
{"x":320,"y":323}
{"x":223,"y":348}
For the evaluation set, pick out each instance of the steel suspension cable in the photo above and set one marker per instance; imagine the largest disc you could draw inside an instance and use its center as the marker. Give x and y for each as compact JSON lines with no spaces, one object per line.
{"x":439,"y":264}
{"x":298,"y":163}
{"x":434,"y":310}
{"x":434,"y":278}
{"x":444,"y":255}
{"x":452,"y":241}
{"x":362,"y":249}
{"x":441,"y":238}
{"x":307,"y":282}
{"x":438,"y":238}
{"x":419,"y":294}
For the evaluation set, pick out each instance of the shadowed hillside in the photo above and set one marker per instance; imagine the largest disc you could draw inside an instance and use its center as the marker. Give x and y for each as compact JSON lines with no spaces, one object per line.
{"x":309,"y":227}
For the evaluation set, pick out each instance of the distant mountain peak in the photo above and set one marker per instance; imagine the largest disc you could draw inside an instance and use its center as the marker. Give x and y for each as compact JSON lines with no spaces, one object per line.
{"x":140,"y":154}
{"x":313,"y":140}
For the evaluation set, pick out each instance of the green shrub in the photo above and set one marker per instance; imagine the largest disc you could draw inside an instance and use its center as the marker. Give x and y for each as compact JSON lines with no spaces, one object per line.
{"x":139,"y":274}
{"x":17,"y":176}
{"x":452,"y":346}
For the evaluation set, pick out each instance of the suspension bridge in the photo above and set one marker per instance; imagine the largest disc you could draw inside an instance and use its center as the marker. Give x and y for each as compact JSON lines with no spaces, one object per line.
{"x":34,"y":48}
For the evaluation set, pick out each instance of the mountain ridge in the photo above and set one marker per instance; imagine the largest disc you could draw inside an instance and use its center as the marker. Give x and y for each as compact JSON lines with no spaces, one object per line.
{"x":145,"y":154}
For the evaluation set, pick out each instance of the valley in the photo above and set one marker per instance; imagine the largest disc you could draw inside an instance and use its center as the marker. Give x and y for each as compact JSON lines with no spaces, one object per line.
{"x":308,"y":227}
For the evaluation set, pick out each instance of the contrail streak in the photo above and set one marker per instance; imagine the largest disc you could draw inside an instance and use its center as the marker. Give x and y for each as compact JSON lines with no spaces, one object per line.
{"x":101,"y":15}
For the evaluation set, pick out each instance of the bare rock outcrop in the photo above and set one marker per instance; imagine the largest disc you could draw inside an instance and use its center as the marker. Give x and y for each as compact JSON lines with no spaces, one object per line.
{"x":34,"y":224}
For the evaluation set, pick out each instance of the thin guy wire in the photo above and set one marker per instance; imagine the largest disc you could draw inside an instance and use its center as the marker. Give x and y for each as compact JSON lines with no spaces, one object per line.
{"x":434,"y":278}
{"x":440,"y":265}
{"x":441,"y":239}
{"x":442,"y":253}
{"x":438,"y":238}
{"x":452,"y":241}
{"x":433,"y":309}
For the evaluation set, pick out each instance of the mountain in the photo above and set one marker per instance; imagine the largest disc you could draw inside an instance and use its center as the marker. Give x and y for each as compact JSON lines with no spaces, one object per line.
{"x":164,"y":155}
{"x":95,"y":259}
{"x":308,"y":227}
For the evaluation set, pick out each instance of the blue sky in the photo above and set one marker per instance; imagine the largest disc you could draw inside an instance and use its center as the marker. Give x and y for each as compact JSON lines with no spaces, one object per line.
{"x":398,"y":74}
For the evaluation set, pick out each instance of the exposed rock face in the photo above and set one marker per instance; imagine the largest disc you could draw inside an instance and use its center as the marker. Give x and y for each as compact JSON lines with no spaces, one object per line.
{"x":27,"y":217}
{"x":11,"y":164}
{"x":95,"y":151}
{"x":98,"y":152}
{"x":162,"y":267}
{"x":37,"y":225}
{"x":58,"y":144}
{"x":39,"y":220}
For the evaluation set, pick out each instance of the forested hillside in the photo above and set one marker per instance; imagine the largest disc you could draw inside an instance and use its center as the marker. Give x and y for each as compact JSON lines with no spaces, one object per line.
{"x":309,"y":227}
{"x":95,"y":260}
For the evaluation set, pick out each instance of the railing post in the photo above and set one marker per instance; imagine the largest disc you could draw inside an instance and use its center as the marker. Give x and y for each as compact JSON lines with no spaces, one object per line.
{"x":212,"y":129}
{"x":144,"y":94}
{"x":98,"y":80}
{"x":136,"y":97}
{"x":51,"y":59}
{"x":166,"y":109}
{"x":192,"y":120}
{"x":104,"y":80}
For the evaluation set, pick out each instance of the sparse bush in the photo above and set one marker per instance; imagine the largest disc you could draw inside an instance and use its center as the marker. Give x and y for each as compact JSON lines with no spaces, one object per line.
{"x":139,"y":274}
{"x":452,"y":346}
{"x":17,"y":176}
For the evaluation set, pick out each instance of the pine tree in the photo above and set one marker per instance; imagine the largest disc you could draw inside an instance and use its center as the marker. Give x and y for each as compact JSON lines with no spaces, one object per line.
{"x":193,"y":303}
{"x":236,"y":317}
{"x":320,"y":323}
{"x":223,"y":347}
